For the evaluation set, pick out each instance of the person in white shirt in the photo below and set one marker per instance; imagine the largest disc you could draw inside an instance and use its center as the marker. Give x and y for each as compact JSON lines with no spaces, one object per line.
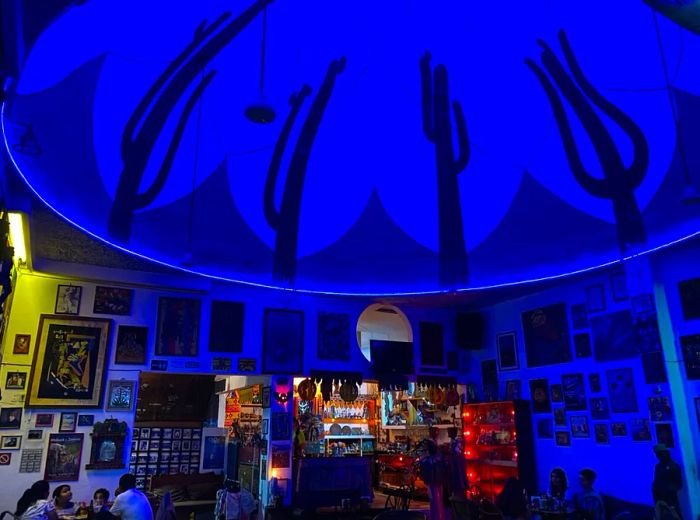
{"x":131,"y":504}
{"x":35,"y":503}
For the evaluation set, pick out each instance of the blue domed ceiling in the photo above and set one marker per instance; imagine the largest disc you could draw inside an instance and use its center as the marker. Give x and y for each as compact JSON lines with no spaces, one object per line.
{"x":416,"y":146}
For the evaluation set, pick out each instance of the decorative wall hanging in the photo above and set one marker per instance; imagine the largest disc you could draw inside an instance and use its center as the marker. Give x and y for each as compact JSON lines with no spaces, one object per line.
{"x":112,"y":300}
{"x":579,"y":426}
{"x":539,"y":393}
{"x":10,"y":442}
{"x":599,"y":408}
{"x":602,"y":433}
{"x":69,"y":363}
{"x":226,"y":327}
{"x":664,"y":434}
{"x":660,"y":409}
{"x":280,"y":427}
{"x":579,"y":316}
{"x":513,"y":389}
{"x":545,"y":428}
{"x":690,"y":348}
{"x":247,"y":365}
{"x":177,"y":333}
{"x":560,"y":416}
{"x":642,"y":304}
{"x":582,"y":345}
{"x":63,"y":457}
{"x":619,"y":429}
{"x":283,"y":338}
{"x":654,"y":366}
{"x":489,"y":377}
{"x":574,"y":392}
{"x":280,"y":456}
{"x":595,"y":298}
{"x":214,"y":451}
{"x":221,"y":364}
{"x":131,"y":345}
{"x":68,"y":422}
{"x":618,"y":286}
{"x":31,"y":460}
{"x":35,"y":435}
{"x":86,"y":420}
{"x":120,"y":396}
{"x":15,"y":380}
{"x":641,"y":430}
{"x":557,"y":393}
{"x":333,"y":336}
{"x":689,"y":291}
{"x":613,"y":336}
{"x":68,"y":299}
{"x":21,"y":344}
{"x":623,"y":397}
{"x":10,"y":418}
{"x":546,"y":333}
{"x":107,"y":451}
{"x":507,"y":348}
{"x":594,"y":382}
{"x":563,"y":438}
{"x":43,"y":420}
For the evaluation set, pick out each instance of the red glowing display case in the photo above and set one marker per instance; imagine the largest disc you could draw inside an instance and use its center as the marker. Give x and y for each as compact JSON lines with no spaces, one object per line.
{"x":498,"y":444}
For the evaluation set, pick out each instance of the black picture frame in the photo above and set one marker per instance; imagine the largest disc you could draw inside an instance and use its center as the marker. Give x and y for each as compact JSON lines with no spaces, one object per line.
{"x":557,"y":393}
{"x":86,"y":420}
{"x":333,"y":340}
{"x":177,"y":333}
{"x":68,"y":299}
{"x":580,"y":428}
{"x":432,"y":349}
{"x":600,"y":410}
{"x":618,"y":286}
{"x":579,"y":316}
{"x":562,"y":438}
{"x":664,"y":434}
{"x":621,"y":390}
{"x":507,"y":349}
{"x":546,"y":335}
{"x":112,"y":300}
{"x":689,"y":292}
{"x":513,"y":390}
{"x":654,"y":366}
{"x":619,"y":428}
{"x":690,"y":349}
{"x":560,"y":416}
{"x":10,"y":418}
{"x":280,"y":426}
{"x":602,"y":433}
{"x":594,"y":383}
{"x":574,"y":392}
{"x":226,"y":326}
{"x":489,"y":378}
{"x":582,"y":345}
{"x":539,"y":394}
{"x":595,"y":298}
{"x":131,"y":346}
{"x":283,"y":342}
{"x":545,"y":428}
{"x":642,"y":304}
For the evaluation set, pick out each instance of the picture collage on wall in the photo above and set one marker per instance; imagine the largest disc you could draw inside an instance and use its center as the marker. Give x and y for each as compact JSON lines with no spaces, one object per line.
{"x":164,"y":451}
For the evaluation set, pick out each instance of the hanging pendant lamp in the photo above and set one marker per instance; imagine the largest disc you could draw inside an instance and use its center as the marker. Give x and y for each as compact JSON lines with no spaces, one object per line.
{"x":260,"y":111}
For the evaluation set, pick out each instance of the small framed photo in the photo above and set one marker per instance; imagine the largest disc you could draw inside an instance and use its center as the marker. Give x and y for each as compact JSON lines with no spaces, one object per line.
{"x":545,"y":428}
{"x":186,"y":446}
{"x":10,"y":418}
{"x":132,"y":344}
{"x":43,"y":420}
{"x":619,"y":429}
{"x":10,"y":442}
{"x":664,"y":434}
{"x":143,"y":445}
{"x":507,"y":351}
{"x":579,"y":426}
{"x":16,"y":381}
{"x":618,"y":285}
{"x":68,"y":299}
{"x":642,"y":304}
{"x":560,"y":416}
{"x":145,"y":433}
{"x":86,"y":420}
{"x":167,"y":433}
{"x":562,"y":438}
{"x":579,"y":316}
{"x":68,"y":422}
{"x":35,"y":435}
{"x":595,"y":298}
{"x":246,"y":364}
{"x":120,"y":395}
{"x":266,"y":392}
{"x":112,"y":300}
{"x":513,"y":389}
{"x":154,"y":445}
{"x":265,"y":426}
{"x":641,"y":430}
{"x":602,"y":433}
{"x":21,"y":345}
{"x":594,"y":382}
{"x":187,"y":433}
{"x":557,"y":393}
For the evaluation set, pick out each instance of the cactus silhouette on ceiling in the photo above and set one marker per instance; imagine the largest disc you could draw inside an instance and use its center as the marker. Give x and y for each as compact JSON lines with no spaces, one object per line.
{"x":148,"y":120}
{"x":437,"y":126}
{"x":285,"y":221}
{"x":619,"y":182}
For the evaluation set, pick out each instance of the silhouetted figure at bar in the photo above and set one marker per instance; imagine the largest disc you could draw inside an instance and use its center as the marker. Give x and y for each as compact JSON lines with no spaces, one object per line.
{"x":558,"y":484}
{"x":668,"y":481}
{"x":512,"y":500}
{"x":433,"y":471}
{"x":588,"y":504}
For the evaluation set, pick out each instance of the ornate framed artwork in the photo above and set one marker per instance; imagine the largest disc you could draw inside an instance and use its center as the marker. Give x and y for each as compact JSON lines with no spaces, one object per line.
{"x":68,"y":299}
{"x":69,"y":363}
{"x":112,"y":300}
{"x":21,"y":345}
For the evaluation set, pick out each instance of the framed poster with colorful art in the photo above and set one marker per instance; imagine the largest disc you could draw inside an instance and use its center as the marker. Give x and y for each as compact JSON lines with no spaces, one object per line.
{"x":63,"y":458}
{"x":178,"y":327}
{"x":69,"y":363}
{"x":112,"y":300}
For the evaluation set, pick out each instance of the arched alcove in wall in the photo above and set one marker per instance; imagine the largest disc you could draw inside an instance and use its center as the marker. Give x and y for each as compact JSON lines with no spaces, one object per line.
{"x":382,"y":322}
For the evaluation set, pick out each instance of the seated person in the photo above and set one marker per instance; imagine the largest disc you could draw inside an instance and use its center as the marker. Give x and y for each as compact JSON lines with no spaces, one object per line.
{"x":35,"y":504}
{"x":511,"y":501}
{"x":100,"y":500}
{"x":62,"y":497}
{"x":234,"y":502}
{"x":588,"y":504}
{"x":558,"y":484}
{"x":130,"y":503}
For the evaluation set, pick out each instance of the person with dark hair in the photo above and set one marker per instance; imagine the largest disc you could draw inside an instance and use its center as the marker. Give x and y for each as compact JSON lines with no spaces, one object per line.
{"x":62,"y":497}
{"x":433,"y":471}
{"x":668,"y":480}
{"x":588,"y":504}
{"x":35,"y":504}
{"x":511,"y":501}
{"x":100,"y":499}
{"x":131,"y":504}
{"x":558,"y":484}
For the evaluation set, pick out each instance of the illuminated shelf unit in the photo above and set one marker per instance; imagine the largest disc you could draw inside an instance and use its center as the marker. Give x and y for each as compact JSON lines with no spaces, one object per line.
{"x":498,"y":444}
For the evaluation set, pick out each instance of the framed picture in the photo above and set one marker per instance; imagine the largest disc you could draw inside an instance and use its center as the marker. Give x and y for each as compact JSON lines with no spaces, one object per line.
{"x":86,"y":420}
{"x":618,"y":286}
{"x":10,"y":418}
{"x":660,"y":409}
{"x":334,"y":336}
{"x":574,"y":392}
{"x":11,"y":442}
{"x":432,"y":348}
{"x":226,"y":327}
{"x":582,"y":345}
{"x":265,"y":426}
{"x":641,"y":430}
{"x":614,"y":336}
{"x":247,"y":365}
{"x":512,"y":389}
{"x":579,"y":316}
{"x":281,"y":427}
{"x":599,"y":408}
{"x":112,"y":300}
{"x":21,"y":345}
{"x":619,"y":429}
{"x":562,"y":438}
{"x":594,"y":382}
{"x":177,"y":333}
{"x":539,"y":393}
{"x":642,"y":304}
{"x":689,"y":292}
{"x":131,"y":346}
{"x":507,"y":351}
{"x":63,"y":457}
{"x":266,"y":394}
{"x":78,"y":343}
{"x":623,"y":397}
{"x":545,"y":428}
{"x":283,"y":340}
{"x":15,"y":381}
{"x":263,"y":469}
{"x":120,"y":395}
{"x":557,"y":393}
{"x":546,"y":335}
{"x":35,"y":435}
{"x":664,"y":434}
{"x":595,"y":298}
{"x":560,"y":416}
{"x":579,"y":426}
{"x":280,"y":456}
{"x":68,"y":422}
{"x":602,"y":433}
{"x":221,"y":364}
{"x":43,"y":420}
{"x":489,"y":378}
{"x":690,"y":347}
{"x":159,"y":365}
{"x":68,"y":299}
{"x":654,"y":366}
